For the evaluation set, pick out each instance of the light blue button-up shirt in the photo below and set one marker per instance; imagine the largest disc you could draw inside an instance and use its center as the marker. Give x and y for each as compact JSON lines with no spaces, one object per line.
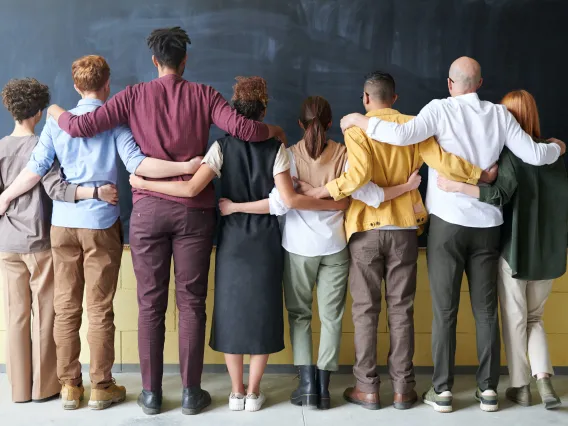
{"x":86,"y":162}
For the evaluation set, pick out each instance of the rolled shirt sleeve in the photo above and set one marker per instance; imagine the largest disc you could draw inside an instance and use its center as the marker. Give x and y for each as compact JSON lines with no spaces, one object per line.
{"x":127,"y":148}
{"x":214,"y":158}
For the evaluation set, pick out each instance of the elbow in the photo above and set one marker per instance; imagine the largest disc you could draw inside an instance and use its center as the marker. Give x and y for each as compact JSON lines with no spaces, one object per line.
{"x":290,"y":201}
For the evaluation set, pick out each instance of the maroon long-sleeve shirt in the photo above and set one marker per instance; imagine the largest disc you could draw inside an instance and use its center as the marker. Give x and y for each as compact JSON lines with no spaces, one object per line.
{"x":170,"y":119}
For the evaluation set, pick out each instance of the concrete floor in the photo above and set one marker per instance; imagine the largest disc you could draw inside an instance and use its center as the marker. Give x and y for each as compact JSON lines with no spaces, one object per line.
{"x":278,"y":410}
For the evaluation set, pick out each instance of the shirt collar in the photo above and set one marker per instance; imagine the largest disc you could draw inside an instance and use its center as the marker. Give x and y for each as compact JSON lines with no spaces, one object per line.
{"x":381,"y":112}
{"x":468,"y":97}
{"x":89,"y":101}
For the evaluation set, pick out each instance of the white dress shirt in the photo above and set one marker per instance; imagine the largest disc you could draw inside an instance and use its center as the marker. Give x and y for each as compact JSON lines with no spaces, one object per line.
{"x":317,"y":233}
{"x":474,"y":130}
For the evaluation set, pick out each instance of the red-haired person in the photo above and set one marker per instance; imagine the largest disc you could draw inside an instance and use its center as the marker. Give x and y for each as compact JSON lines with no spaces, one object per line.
{"x":247,"y":315}
{"x":534,"y":237}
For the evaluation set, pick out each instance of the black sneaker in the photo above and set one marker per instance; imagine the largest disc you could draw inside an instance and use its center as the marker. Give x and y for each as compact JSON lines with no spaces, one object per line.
{"x":194,"y":400}
{"x":150,"y":402}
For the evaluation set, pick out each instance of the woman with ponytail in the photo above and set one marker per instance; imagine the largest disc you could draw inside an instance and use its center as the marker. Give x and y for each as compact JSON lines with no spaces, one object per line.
{"x":315,"y":252}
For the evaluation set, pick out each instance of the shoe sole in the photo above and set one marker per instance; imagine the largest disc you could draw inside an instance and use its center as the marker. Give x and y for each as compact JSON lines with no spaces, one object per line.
{"x":488,"y":408}
{"x":551,"y":404}
{"x":519,"y":402}
{"x":406,"y":405}
{"x":366,"y":405}
{"x":439,"y":408}
{"x":324,"y":403}
{"x":101,"y":405}
{"x":195,"y":411}
{"x":310,"y":401}
{"x":148,"y":411}
{"x":254,"y":406}
{"x":72,"y":404}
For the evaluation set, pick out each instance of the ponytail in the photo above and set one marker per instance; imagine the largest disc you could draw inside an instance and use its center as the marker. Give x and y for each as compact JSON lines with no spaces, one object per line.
{"x":315,"y":116}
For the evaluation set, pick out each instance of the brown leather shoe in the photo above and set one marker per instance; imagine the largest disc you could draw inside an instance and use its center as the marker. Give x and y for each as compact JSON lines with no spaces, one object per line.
{"x":404,"y":401}
{"x":370,"y":401}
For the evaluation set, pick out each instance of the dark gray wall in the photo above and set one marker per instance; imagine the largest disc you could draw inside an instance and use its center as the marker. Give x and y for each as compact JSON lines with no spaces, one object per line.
{"x":302,"y":47}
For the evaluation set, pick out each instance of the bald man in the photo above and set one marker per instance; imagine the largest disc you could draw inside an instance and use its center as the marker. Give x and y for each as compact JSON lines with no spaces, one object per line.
{"x":464,"y":232}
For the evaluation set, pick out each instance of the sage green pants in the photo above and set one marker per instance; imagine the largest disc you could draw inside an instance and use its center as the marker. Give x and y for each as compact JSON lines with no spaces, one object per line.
{"x":329,"y":274}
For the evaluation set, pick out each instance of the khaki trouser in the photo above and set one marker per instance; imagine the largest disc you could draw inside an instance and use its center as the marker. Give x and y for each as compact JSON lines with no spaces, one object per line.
{"x":392,"y":256}
{"x":85,"y":259}
{"x":522,"y":306}
{"x":30,"y":357}
{"x":300,"y":275}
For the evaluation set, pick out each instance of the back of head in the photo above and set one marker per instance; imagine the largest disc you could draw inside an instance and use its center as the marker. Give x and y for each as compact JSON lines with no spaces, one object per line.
{"x":316,"y":117}
{"x":464,"y":76}
{"x":169,"y":46}
{"x":523,"y":107}
{"x":250,"y":97}
{"x":380,"y":87}
{"x":25,"y":97}
{"x":90,"y":73}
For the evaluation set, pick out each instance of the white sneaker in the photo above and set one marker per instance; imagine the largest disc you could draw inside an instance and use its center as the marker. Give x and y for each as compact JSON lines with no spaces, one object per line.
{"x":254,"y":402}
{"x":236,"y":402}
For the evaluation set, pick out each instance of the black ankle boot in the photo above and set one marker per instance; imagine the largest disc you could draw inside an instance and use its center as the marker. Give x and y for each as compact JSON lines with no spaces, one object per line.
{"x":150,"y":402}
{"x":307,"y":392}
{"x":324,"y":400}
{"x":194,"y":400}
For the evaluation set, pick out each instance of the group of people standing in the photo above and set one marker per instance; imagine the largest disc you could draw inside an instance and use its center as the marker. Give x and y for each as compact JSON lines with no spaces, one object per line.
{"x":351,"y":213}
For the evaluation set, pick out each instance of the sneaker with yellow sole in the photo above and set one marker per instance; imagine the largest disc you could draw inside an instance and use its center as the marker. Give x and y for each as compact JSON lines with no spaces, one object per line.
{"x":104,"y":398}
{"x":71,"y":396}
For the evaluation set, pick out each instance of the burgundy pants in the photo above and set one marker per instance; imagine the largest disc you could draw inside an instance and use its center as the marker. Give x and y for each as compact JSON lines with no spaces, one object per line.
{"x":158,"y":230}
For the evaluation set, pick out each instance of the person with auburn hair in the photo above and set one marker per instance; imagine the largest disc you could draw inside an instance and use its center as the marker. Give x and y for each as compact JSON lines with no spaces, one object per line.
{"x":86,"y":237}
{"x":170,"y":118}
{"x":533,"y":252}
{"x":25,"y":249}
{"x":247,"y":315}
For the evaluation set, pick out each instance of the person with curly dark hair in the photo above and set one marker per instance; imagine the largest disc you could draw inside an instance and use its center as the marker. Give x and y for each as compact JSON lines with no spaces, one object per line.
{"x":170,"y":118}
{"x":25,"y":248}
{"x":247,"y":316}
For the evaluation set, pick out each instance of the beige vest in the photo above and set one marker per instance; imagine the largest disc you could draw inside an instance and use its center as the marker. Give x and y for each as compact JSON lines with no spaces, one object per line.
{"x":326,"y":168}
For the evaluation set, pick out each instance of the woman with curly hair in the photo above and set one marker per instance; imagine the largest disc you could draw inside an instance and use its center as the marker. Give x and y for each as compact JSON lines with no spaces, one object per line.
{"x":247,"y":317}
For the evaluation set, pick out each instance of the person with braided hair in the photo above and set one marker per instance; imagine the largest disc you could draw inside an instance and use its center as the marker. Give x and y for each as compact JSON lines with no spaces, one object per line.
{"x":247,"y":316}
{"x":170,"y":119}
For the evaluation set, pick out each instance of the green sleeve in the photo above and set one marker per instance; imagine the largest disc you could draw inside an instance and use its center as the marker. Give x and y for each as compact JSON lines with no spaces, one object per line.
{"x":504,"y":187}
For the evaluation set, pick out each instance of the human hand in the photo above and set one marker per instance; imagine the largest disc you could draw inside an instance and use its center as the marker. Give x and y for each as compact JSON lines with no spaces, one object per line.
{"x":137,"y":182}
{"x":109,"y":194}
{"x":489,"y":176}
{"x":193,"y":165}
{"x":350,"y":120}
{"x":4,"y":204}
{"x":448,"y":185}
{"x":55,"y":111}
{"x":301,"y":186}
{"x":558,"y":142}
{"x":414,"y":180}
{"x":226,"y":206}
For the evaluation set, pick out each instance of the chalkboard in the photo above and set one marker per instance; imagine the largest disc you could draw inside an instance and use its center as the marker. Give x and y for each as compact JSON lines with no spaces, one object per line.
{"x":302,"y":47}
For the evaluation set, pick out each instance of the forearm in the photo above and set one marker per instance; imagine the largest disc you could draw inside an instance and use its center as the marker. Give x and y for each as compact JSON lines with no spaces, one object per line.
{"x":155,"y":168}
{"x":254,"y":207}
{"x":302,"y":202}
{"x":409,"y":133}
{"x":471,"y":190}
{"x":183,"y":189}
{"x":25,"y":181}
{"x":84,"y":193}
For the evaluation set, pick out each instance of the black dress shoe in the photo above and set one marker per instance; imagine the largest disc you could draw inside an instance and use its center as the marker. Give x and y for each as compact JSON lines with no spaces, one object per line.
{"x":150,"y":402}
{"x":194,"y":400}
{"x":306,"y":394}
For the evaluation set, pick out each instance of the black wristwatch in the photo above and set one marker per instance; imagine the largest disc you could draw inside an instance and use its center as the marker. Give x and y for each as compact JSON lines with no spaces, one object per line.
{"x":96,"y":193}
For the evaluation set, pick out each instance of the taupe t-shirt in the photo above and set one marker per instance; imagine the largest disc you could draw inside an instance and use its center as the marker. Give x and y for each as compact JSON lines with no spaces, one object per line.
{"x":25,"y":226}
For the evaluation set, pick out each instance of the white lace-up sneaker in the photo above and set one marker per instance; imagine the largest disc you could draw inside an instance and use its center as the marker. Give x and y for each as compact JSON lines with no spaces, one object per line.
{"x":254,"y":402}
{"x":236,"y":402}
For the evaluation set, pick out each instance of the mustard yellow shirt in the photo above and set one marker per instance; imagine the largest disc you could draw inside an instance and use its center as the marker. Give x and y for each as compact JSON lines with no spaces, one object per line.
{"x":387,"y":165}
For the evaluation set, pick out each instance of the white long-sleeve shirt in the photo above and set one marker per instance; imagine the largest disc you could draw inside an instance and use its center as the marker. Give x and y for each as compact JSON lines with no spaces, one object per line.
{"x":317,"y":233}
{"x":474,"y":130}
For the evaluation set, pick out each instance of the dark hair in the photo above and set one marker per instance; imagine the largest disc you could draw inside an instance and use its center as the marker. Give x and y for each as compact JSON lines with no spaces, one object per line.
{"x":169,"y":46}
{"x":380,"y":86}
{"x":316,"y":117}
{"x":250,"y":97}
{"x":24,"y":98}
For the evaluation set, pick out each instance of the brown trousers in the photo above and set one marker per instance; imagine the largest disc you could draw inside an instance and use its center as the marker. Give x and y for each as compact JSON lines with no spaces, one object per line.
{"x":30,"y":357}
{"x":391,"y":255}
{"x":85,"y":259}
